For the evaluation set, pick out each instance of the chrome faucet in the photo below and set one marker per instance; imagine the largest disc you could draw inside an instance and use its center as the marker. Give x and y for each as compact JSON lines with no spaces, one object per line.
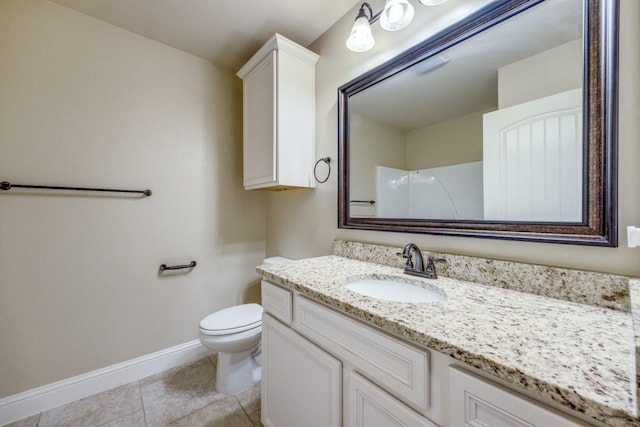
{"x":406,"y":254}
{"x":417,"y":268}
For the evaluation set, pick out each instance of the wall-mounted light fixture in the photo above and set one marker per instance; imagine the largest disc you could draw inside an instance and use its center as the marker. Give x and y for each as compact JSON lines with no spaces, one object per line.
{"x":396,"y":15}
{"x":361,"y":39}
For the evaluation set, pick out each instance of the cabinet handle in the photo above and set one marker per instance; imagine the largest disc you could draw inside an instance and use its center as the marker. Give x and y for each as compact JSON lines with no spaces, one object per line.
{"x":164,"y":267}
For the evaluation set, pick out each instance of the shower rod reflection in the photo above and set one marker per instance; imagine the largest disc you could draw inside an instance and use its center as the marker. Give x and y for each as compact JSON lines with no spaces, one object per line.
{"x":4,"y":185}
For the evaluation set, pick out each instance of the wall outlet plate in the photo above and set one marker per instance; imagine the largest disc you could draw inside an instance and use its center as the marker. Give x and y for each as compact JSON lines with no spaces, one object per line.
{"x":633,"y":236}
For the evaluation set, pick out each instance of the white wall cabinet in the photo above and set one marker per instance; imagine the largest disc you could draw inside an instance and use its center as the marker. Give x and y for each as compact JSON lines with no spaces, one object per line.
{"x":279,"y":116}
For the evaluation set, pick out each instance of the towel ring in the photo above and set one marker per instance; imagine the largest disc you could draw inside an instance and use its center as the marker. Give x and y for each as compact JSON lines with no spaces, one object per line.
{"x":327,"y":161}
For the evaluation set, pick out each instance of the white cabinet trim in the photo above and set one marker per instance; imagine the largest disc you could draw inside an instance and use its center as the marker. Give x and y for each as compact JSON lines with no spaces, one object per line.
{"x":392,"y":364}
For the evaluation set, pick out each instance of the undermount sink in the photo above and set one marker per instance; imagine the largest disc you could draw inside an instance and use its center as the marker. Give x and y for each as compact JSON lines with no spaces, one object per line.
{"x":390,"y":289}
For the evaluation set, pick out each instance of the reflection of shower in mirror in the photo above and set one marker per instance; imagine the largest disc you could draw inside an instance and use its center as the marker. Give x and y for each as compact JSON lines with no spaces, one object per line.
{"x":440,"y":193}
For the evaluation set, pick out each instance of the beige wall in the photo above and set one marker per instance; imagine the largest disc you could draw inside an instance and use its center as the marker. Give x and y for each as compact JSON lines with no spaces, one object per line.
{"x":372,"y":144}
{"x":85,"y":103}
{"x":547,"y":73}
{"x":303,"y":223}
{"x":454,"y":141}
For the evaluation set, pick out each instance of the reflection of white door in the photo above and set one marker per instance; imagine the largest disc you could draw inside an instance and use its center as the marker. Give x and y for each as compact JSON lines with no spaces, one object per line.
{"x":533,"y":160}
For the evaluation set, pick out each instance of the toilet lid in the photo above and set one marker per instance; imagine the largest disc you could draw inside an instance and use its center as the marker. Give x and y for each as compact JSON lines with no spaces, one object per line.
{"x":231,"y":320}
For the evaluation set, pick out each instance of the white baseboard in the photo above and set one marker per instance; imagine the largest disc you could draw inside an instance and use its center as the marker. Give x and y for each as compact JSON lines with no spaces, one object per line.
{"x":34,"y":401}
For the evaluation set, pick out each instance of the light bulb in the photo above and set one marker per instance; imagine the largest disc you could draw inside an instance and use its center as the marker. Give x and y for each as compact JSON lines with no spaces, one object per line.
{"x":360,"y":39}
{"x":396,"y":15}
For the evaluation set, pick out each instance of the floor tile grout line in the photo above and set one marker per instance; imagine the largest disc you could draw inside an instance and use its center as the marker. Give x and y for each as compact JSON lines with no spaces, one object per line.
{"x":210,"y":357}
{"x":241,"y":406}
{"x":142,"y":407}
{"x":191,"y":413}
{"x":144,"y":411}
{"x":255,"y":425}
{"x":102,"y":406}
{"x":118,"y":419}
{"x":244,"y":410}
{"x":200,"y":409}
{"x":197,"y":410}
{"x":149,"y":404}
{"x":137,"y":383}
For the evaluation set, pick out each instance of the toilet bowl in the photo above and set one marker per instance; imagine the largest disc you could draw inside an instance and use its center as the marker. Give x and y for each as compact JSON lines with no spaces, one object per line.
{"x":235,"y":333}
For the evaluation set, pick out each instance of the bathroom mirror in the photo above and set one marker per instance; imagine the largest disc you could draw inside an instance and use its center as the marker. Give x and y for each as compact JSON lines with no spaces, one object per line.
{"x":503,"y":125}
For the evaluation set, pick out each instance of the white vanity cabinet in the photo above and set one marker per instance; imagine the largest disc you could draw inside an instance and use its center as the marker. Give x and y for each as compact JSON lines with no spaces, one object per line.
{"x":399,"y":368}
{"x":323,"y":368}
{"x":381,"y":382}
{"x":475,"y":401}
{"x":279,"y":116}
{"x":301,"y":383}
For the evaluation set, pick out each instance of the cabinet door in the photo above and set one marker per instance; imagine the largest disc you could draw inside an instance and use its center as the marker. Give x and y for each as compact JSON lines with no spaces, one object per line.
{"x":401,"y":369}
{"x":259,"y":128}
{"x":368,"y":406}
{"x":301,"y":384}
{"x":474,"y":402}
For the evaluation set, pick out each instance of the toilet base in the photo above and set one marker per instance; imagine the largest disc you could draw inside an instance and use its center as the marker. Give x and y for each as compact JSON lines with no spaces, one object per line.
{"x":236,"y":372}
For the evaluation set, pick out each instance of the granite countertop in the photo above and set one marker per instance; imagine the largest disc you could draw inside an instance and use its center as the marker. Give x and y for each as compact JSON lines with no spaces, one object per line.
{"x":577,"y":355}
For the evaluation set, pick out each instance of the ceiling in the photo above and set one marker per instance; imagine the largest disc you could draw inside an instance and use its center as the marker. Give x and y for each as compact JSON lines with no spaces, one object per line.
{"x":224,"y":32}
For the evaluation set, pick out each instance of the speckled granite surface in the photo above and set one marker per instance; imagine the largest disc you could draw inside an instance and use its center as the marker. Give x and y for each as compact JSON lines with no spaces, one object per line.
{"x":603,"y":290}
{"x":634,"y":291}
{"x":577,"y":355}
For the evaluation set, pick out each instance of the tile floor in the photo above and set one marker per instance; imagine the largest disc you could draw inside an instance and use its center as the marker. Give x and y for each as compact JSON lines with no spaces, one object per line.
{"x":180,"y":397}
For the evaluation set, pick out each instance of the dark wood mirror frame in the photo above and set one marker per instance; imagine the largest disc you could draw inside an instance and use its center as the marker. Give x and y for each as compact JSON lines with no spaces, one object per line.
{"x":599,"y":226}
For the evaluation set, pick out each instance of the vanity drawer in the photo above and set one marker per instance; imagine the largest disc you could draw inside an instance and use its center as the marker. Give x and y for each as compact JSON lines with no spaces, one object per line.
{"x":395,"y":366}
{"x":277,"y":302}
{"x":474,"y":401}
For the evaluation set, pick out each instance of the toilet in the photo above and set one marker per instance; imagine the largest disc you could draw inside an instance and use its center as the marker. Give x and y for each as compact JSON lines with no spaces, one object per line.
{"x":235,"y":333}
